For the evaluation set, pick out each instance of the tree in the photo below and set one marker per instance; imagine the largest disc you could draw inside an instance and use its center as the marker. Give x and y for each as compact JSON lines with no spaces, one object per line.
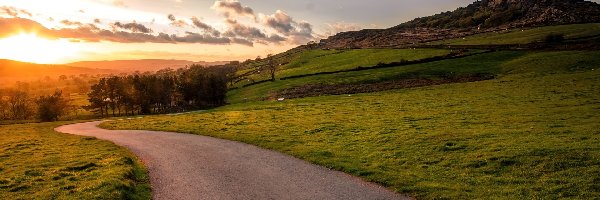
{"x":19,"y":105}
{"x":272,"y":66}
{"x":97,"y":98}
{"x":4,"y":114}
{"x":51,"y":107}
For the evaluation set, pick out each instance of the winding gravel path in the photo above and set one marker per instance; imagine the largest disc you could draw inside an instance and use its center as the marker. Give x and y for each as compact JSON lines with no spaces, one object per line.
{"x":186,"y":166}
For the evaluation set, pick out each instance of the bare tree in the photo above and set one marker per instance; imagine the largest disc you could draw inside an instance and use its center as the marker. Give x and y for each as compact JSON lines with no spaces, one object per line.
{"x":272,"y":66}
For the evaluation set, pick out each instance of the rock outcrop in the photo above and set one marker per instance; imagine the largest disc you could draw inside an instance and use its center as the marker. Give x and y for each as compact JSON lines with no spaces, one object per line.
{"x":480,"y":16}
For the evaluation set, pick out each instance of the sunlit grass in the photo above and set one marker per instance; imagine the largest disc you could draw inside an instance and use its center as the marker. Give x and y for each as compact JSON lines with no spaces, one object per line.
{"x":317,"y":61}
{"x":38,"y":163}
{"x":533,"y":133}
{"x":485,"y":63}
{"x":525,"y":36}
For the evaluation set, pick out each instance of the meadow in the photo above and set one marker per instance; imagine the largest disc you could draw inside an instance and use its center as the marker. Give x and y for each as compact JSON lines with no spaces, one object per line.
{"x":526,"y":36}
{"x":38,"y":163}
{"x":318,"y":61}
{"x":530,"y":133}
{"x":488,"y":63}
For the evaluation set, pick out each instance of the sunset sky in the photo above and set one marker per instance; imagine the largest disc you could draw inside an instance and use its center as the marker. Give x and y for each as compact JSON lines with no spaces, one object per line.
{"x":62,"y":31}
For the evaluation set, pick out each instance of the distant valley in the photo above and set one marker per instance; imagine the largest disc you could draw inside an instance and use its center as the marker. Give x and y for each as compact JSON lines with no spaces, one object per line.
{"x":128,"y":66}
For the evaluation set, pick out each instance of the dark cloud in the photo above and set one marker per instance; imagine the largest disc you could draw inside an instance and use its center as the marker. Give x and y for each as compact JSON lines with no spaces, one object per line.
{"x":207,"y":28}
{"x":297,"y":32}
{"x":14,"y":12}
{"x":242,"y":41}
{"x":304,"y":29}
{"x":91,"y":33}
{"x":172,"y":17}
{"x":276,"y":38}
{"x":237,"y":29}
{"x":280,"y":21}
{"x":97,"y":21}
{"x":233,"y":7}
{"x":194,"y":37}
{"x":133,"y":27}
{"x":71,"y":23}
{"x":250,"y":34}
{"x":175,"y":22}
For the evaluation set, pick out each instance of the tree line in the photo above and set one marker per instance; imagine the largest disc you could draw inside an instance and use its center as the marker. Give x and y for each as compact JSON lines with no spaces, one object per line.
{"x":19,"y":104}
{"x":166,"y":91}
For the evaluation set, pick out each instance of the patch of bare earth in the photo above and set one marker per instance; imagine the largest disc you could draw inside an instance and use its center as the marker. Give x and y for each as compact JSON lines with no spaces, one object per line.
{"x":312,"y":90}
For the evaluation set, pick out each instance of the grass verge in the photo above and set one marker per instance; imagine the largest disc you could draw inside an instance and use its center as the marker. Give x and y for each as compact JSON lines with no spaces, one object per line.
{"x":38,"y":163}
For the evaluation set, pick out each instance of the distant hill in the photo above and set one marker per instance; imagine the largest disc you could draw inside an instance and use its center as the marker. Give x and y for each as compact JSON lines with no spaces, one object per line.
{"x":141,"y":65}
{"x":480,"y":16}
{"x":11,"y":71}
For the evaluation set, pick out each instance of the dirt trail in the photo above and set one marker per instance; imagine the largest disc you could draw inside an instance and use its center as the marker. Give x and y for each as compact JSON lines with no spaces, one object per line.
{"x":186,"y":166}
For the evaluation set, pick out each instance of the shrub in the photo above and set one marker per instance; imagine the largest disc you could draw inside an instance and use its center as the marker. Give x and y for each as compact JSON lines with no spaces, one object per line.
{"x":554,"y":37}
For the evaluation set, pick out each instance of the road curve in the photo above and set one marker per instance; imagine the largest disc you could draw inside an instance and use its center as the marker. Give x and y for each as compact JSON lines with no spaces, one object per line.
{"x":186,"y":166}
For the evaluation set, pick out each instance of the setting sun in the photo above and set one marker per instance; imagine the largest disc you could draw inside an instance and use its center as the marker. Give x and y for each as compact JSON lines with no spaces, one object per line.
{"x":28,"y":47}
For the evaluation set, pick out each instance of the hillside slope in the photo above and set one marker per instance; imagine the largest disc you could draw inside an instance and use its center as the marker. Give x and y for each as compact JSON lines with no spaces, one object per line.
{"x":11,"y":71}
{"x":479,"y":17}
{"x":141,"y":65}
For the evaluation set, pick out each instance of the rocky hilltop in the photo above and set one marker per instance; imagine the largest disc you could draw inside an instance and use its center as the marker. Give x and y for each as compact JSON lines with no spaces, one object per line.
{"x":480,"y":16}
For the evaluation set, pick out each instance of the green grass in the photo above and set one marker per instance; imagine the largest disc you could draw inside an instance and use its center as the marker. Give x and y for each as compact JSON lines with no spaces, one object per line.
{"x":38,"y":163}
{"x":526,"y":36}
{"x":533,"y":133}
{"x":484,"y":63}
{"x":316,"y":61}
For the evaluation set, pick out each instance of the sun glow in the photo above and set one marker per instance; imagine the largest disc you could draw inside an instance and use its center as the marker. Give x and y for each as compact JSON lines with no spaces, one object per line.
{"x":28,"y":47}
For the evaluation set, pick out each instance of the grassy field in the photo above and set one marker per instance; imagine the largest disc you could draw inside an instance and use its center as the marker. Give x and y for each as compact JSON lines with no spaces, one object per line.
{"x":38,"y":163}
{"x":532,"y":133}
{"x":316,"y":61}
{"x":526,"y":36}
{"x":484,"y":63}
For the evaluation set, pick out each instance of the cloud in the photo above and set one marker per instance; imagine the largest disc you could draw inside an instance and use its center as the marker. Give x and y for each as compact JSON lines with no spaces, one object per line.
{"x":97,"y":21}
{"x":242,"y":41}
{"x":237,"y":29}
{"x":207,"y":28}
{"x":280,"y":21}
{"x":14,"y":12}
{"x":175,"y":22}
{"x":337,"y":27}
{"x":134,"y":27}
{"x":71,"y":23}
{"x":119,"y":3}
{"x":10,"y":26}
{"x":228,"y":8}
{"x":297,"y":32}
{"x":195,"y":38}
{"x":91,"y":33}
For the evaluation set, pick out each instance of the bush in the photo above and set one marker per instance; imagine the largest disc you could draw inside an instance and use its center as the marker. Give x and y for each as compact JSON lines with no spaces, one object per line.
{"x":51,"y":107}
{"x":554,"y":38}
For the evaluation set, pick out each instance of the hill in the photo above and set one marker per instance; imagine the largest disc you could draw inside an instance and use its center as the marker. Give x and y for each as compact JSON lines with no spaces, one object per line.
{"x":141,"y":65}
{"x":11,"y":71}
{"x":530,"y":132}
{"x":478,"y":17}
